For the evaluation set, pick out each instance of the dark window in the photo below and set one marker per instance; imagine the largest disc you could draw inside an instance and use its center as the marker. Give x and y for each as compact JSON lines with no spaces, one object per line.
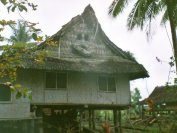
{"x":86,"y":37}
{"x":56,"y":80}
{"x":5,"y":93}
{"x":111,"y":84}
{"x":102,"y":83}
{"x":61,"y":80}
{"x":79,"y":36}
{"x":50,"y":80}
{"x":107,"y":84}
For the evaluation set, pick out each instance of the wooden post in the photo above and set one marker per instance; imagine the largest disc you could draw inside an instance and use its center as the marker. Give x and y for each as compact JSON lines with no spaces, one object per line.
{"x":25,"y":124}
{"x":39,"y":112}
{"x":115,"y":120}
{"x":119,"y":121}
{"x":142,"y":111}
{"x":93,"y":119}
{"x":62,"y":114}
{"x":39,"y":126}
{"x":106,"y":115}
{"x":90,"y":120}
{"x":80,"y":125}
{"x":32,"y":126}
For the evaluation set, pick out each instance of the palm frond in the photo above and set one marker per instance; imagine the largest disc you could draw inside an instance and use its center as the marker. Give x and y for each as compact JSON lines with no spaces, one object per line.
{"x":164,"y":18}
{"x":20,"y":33}
{"x":142,"y":13}
{"x":175,"y":15}
{"x":13,"y":39}
{"x":117,"y":7}
{"x":133,"y":16}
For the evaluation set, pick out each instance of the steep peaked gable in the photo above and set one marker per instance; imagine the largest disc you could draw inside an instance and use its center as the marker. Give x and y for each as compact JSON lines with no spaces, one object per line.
{"x":84,"y":37}
{"x":84,"y":47}
{"x":164,"y":94}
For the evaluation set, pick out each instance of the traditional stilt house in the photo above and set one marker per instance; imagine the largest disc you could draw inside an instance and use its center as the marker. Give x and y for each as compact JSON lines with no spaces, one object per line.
{"x":164,"y":98}
{"x":84,"y":71}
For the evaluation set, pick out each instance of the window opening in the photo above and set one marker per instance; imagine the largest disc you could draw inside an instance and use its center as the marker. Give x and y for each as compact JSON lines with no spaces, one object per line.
{"x":5,"y":93}
{"x":107,"y":84}
{"x":56,"y":80}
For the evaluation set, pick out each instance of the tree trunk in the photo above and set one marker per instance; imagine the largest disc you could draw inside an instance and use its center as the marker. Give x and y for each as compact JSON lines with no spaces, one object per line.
{"x":173,"y":28}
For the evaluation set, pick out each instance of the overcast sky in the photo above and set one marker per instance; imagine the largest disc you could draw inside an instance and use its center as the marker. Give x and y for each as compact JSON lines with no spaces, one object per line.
{"x":52,"y":14}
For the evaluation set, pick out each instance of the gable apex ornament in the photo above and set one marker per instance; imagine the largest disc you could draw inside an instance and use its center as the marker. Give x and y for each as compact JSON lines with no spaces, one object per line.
{"x":84,"y":47}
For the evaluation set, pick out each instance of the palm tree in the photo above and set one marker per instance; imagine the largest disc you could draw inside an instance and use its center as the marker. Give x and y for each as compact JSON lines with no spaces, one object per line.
{"x":144,"y":11}
{"x":20,"y":33}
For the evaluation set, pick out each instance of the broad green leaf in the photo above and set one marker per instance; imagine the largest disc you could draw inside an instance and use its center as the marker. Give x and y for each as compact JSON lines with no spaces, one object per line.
{"x":4,"y":2}
{"x":18,"y":95}
{"x":34,"y":36}
{"x":30,"y":97}
{"x":8,"y":8}
{"x":18,"y":86}
{"x":24,"y":8}
{"x":1,"y":29}
{"x":40,"y":38}
{"x":13,"y":8}
{"x":12,"y":88}
{"x":3,"y":22}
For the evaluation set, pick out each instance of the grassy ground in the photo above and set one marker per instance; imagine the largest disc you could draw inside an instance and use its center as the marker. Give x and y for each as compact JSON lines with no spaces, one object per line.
{"x":160,"y":126}
{"x":151,"y":129}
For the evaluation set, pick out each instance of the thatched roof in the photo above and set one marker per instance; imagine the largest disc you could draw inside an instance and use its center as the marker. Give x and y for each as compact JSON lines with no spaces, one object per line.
{"x":95,"y":54}
{"x":90,"y":65}
{"x":164,"y":94}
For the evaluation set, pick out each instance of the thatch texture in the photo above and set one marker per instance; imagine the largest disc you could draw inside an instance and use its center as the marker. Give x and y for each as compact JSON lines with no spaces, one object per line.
{"x":84,"y":47}
{"x":164,"y":94}
{"x":90,"y":65}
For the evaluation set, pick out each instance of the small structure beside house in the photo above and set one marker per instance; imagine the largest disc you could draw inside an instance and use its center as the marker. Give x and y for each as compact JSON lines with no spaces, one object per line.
{"x":85,"y":71}
{"x":164,"y":98}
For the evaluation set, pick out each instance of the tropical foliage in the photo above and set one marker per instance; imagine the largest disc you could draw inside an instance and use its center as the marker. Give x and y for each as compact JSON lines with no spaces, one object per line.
{"x":135,"y":99}
{"x":144,"y":11}
{"x":20,"y":33}
{"x":12,"y":56}
{"x":20,"y":6}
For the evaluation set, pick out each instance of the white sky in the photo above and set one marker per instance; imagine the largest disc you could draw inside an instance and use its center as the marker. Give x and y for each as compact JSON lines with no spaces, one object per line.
{"x":52,"y":14}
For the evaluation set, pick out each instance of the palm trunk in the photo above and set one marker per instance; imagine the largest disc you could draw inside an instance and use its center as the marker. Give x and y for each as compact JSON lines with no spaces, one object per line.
{"x":173,"y":29}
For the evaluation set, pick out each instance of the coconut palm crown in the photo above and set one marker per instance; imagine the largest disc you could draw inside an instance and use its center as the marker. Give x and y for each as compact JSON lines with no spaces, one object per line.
{"x":144,"y":11}
{"x":20,"y":33}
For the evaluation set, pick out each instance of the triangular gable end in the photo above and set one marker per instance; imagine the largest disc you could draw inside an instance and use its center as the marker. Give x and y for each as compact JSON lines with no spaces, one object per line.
{"x":84,"y":37}
{"x":84,"y":47}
